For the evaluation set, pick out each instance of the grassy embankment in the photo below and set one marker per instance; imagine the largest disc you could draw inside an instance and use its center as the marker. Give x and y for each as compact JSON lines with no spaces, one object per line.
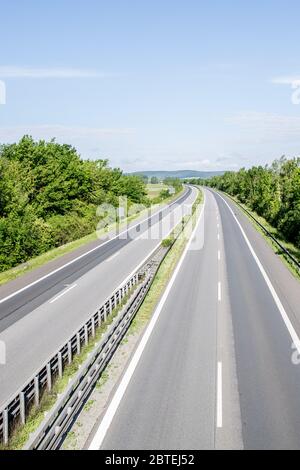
{"x":292,"y":249}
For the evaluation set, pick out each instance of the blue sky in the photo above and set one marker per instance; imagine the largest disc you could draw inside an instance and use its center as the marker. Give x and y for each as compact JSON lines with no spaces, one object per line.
{"x":154,"y":84}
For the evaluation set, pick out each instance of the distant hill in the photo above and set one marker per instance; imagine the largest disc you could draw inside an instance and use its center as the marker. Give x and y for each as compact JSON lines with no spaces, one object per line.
{"x":178,"y":174}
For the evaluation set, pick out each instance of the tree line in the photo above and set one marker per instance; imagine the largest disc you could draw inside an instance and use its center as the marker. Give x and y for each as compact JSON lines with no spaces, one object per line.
{"x":272,"y":191}
{"x":49,"y":196}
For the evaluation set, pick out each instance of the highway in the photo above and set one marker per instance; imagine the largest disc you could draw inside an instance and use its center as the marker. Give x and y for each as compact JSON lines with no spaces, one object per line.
{"x":216,"y":367}
{"x":36,"y":319}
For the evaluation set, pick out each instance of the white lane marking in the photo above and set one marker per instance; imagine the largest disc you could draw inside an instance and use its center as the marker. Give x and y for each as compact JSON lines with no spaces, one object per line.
{"x":78,"y":258}
{"x":218,"y":225}
{"x":219,"y":292}
{"x":277,"y":301}
{"x":219,"y":255}
{"x":62,"y":293}
{"x":219,"y":396}
{"x":116,"y":400}
{"x":218,"y":236}
{"x":112,"y":257}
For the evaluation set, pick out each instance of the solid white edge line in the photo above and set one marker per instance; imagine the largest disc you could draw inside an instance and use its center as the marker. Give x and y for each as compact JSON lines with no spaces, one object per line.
{"x":219,"y":292}
{"x":277,"y":301}
{"x":219,"y":396}
{"x":62,"y":293}
{"x":116,"y":400}
{"x":78,"y":258}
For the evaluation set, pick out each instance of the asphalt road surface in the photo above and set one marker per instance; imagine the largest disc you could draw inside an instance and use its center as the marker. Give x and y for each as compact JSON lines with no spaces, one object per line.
{"x":216,"y":367}
{"x":35,"y":322}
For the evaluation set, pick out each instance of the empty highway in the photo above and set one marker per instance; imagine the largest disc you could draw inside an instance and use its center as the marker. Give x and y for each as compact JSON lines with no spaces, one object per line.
{"x":217,"y":367}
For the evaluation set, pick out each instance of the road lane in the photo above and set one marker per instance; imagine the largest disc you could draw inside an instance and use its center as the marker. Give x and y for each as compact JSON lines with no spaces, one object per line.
{"x":217,"y":371}
{"x":268,"y":381}
{"x":170,"y":402}
{"x":36,"y":336}
{"x":18,"y":304}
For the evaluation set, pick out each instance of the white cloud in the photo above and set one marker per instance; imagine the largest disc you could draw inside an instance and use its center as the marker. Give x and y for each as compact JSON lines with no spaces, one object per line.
{"x":50,"y":131}
{"x":287,"y":80}
{"x":268,"y":124}
{"x":56,"y":72}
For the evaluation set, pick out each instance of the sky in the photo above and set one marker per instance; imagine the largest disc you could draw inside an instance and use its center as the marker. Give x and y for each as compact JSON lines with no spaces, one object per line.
{"x":154,"y":84}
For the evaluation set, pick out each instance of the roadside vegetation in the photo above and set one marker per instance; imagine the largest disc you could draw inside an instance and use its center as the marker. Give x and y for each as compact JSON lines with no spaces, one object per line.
{"x":49,"y":198}
{"x":272,"y":192}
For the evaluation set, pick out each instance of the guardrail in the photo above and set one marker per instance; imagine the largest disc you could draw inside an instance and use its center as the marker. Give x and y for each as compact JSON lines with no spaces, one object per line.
{"x":50,"y":434}
{"x":290,"y":257}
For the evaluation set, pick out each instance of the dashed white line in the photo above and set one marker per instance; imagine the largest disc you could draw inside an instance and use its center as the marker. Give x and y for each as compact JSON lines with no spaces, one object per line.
{"x":219,"y":396}
{"x":218,"y":236}
{"x":63,"y":293}
{"x":219,"y":292}
{"x":219,"y":255}
{"x":277,"y":301}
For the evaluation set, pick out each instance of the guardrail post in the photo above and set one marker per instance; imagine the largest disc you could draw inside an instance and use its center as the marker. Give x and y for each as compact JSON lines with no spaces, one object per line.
{"x":93,"y":327}
{"x":110,"y":305}
{"x":22,"y":407}
{"x":60,"y":364}
{"x":69,"y":352}
{"x":36,"y":391}
{"x":99,"y":316}
{"x":86,"y":335}
{"x":116,"y":299}
{"x":5,"y":426}
{"x":49,"y":377}
{"x":78,"y":343}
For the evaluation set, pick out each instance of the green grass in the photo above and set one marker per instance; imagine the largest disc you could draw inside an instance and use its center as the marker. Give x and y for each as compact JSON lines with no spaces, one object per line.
{"x":292,"y":249}
{"x":153,"y":190}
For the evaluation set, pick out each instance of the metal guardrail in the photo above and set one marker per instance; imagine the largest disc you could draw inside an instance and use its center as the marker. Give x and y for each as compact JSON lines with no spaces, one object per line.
{"x":290,"y":257}
{"x":15,"y":411}
{"x":50,"y":434}
{"x":53,"y":430}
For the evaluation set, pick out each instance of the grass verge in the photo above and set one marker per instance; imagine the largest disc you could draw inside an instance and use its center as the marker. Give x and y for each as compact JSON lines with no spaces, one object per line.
{"x":292,"y":249}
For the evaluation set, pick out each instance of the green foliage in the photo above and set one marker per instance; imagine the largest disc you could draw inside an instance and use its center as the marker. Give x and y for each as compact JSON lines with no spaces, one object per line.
{"x":154,"y":180}
{"x":175,"y":182}
{"x":273,"y":192}
{"x":49,"y":196}
{"x":167,"y":242}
